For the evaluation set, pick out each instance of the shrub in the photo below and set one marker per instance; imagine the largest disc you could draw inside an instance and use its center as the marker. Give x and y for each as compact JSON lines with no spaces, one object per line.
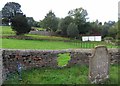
{"x":72,"y":30}
{"x":20,"y":25}
{"x":108,"y":38}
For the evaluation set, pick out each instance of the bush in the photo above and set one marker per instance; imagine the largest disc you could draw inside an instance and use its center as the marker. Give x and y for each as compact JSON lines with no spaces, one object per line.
{"x":108,"y":38}
{"x":20,"y":25}
{"x":72,"y":30}
{"x":117,"y":42}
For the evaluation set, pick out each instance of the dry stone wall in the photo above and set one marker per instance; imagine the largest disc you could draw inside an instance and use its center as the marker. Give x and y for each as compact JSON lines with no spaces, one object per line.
{"x":1,"y":67}
{"x":45,"y":33}
{"x":48,"y":58}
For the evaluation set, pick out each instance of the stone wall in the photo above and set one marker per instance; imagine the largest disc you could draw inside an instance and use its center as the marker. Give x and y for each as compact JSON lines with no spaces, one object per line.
{"x":1,"y":68}
{"x":48,"y":58}
{"x":44,"y":33}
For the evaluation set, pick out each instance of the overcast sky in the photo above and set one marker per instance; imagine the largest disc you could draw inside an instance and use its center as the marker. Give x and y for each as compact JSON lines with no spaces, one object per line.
{"x":103,"y":10}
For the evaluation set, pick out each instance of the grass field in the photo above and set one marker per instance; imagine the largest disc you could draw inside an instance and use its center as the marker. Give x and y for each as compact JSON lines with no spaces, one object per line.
{"x":72,"y":75}
{"x":43,"y":42}
{"x":35,"y":44}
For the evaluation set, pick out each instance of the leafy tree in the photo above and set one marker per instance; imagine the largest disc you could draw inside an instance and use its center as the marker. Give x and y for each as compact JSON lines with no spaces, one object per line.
{"x":112,"y":32}
{"x":72,"y":30}
{"x":50,"y":22}
{"x":20,"y":25}
{"x":79,"y":16}
{"x":31,"y":21}
{"x":106,"y":27}
{"x":10,"y":10}
{"x":96,"y":28}
{"x":64,"y":24}
{"x":37,"y":24}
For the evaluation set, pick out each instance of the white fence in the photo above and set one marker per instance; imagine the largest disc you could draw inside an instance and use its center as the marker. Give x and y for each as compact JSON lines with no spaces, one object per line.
{"x":91,"y":38}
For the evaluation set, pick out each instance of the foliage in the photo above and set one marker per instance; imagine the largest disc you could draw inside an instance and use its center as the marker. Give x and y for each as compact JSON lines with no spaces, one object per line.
{"x":113,"y":31}
{"x":64,"y":25}
{"x":72,"y":30}
{"x":108,"y":38}
{"x":31,"y":21}
{"x":79,"y":16}
{"x":9,"y":10}
{"x":20,"y":25}
{"x":50,"y":22}
{"x":106,"y":27}
{"x":95,"y":28}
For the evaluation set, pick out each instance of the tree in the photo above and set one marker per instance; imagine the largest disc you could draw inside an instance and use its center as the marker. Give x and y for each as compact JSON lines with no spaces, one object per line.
{"x":64,"y":24}
{"x":31,"y":21}
{"x":112,"y":32}
{"x":20,"y":25}
{"x":96,"y":28}
{"x":72,"y":30}
{"x":10,"y":10}
{"x":106,"y":27}
{"x":50,"y":22}
{"x":79,"y":16}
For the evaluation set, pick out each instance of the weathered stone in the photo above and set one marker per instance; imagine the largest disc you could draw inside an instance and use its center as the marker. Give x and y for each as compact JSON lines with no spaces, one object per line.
{"x":47,"y":58}
{"x":1,"y":67}
{"x":99,"y":65}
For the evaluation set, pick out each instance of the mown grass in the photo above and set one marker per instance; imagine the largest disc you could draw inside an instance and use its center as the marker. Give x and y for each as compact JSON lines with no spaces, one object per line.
{"x":46,"y":45}
{"x":72,"y":75}
{"x":35,"y":44}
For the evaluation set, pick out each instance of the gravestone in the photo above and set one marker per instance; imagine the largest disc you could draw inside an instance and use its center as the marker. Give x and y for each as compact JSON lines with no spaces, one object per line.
{"x":99,"y":65}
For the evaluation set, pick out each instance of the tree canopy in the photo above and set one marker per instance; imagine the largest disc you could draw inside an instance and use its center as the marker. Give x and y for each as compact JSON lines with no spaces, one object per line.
{"x":72,"y":30}
{"x":50,"y":22}
{"x":10,"y":10}
{"x":79,"y":15}
{"x":20,"y":25}
{"x":64,"y":25}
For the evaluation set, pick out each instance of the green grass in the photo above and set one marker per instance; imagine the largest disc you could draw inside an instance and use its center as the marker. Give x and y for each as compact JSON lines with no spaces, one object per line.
{"x":72,"y":75}
{"x":63,"y":59}
{"x":6,"y":30}
{"x":40,"y":37}
{"x":36,"y":44}
{"x":39,"y":28}
{"x":45,"y":44}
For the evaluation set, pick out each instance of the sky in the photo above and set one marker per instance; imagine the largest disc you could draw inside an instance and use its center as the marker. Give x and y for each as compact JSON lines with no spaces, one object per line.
{"x":103,"y":10}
